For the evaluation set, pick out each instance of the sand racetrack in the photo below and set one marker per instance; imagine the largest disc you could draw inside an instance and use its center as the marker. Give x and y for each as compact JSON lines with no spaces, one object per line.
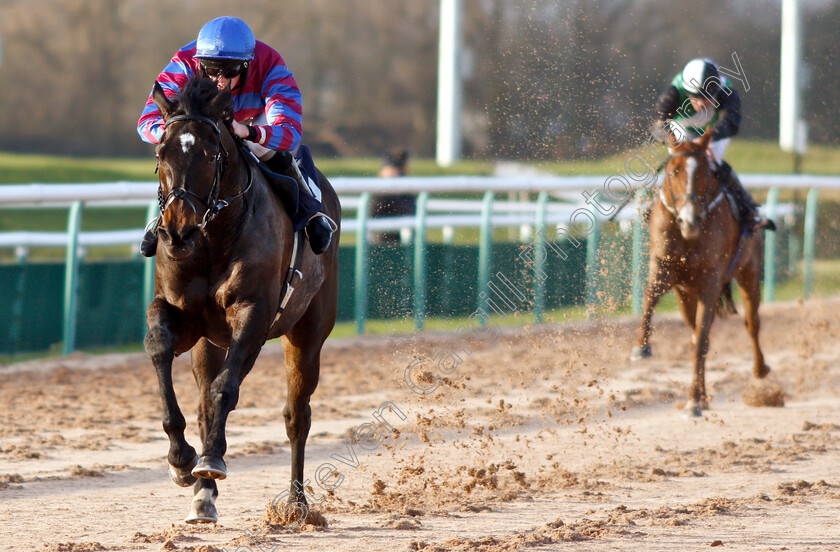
{"x":547,"y":439}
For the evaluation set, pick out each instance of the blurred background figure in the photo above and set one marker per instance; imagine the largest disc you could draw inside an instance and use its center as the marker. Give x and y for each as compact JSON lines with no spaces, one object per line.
{"x":395,"y":164}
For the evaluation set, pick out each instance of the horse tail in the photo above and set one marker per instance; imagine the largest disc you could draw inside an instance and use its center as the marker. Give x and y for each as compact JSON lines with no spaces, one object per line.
{"x":727,"y":304}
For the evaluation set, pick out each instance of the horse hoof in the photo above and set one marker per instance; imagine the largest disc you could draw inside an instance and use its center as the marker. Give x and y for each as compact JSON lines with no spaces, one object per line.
{"x":693,"y":410}
{"x":183,"y":477}
{"x":210,"y":467}
{"x":639,"y":353}
{"x":762,"y":372}
{"x":202,"y":508}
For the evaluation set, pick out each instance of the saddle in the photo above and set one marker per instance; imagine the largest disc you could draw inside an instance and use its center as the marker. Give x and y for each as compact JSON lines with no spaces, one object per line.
{"x":300,"y":207}
{"x":733,"y":205}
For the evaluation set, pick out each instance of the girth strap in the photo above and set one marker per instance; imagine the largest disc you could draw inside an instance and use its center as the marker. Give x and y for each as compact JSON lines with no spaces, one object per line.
{"x":293,"y":272}
{"x":737,"y":256}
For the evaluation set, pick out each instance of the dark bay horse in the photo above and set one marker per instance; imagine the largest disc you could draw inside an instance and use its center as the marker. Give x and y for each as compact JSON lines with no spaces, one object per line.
{"x":696,"y":247}
{"x":224,"y":252}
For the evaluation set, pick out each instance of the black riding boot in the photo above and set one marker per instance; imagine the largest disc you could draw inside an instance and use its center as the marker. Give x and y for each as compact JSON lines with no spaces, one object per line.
{"x":319,"y":233}
{"x":747,"y":207}
{"x":279,"y":162}
{"x":148,"y":247}
{"x":318,"y":230}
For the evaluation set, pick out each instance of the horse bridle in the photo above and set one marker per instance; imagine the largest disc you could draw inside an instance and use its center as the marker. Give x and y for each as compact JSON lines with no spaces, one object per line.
{"x":675,"y":201}
{"x":213,"y":204}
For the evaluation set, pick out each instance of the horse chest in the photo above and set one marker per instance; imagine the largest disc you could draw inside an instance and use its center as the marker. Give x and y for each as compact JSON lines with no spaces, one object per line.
{"x":186,"y":293}
{"x":197,"y":295}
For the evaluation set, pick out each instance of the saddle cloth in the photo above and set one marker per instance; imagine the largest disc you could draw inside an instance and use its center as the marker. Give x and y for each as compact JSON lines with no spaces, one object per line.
{"x":300,"y":206}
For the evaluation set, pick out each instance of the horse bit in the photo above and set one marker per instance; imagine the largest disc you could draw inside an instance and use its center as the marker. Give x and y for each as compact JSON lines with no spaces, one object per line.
{"x":213,"y":203}
{"x":704,"y":209}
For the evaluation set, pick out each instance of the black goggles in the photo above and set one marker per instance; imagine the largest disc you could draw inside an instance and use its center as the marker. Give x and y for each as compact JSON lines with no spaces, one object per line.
{"x":228,"y":71}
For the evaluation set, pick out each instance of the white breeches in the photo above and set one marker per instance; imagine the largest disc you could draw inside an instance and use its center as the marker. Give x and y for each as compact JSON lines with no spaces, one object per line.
{"x":262,"y":152}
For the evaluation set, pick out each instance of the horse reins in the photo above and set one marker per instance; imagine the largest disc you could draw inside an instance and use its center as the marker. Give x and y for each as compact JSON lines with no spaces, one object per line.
{"x":212,"y":202}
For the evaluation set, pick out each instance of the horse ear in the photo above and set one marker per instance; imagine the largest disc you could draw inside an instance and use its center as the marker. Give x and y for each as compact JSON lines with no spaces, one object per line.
{"x":162,"y":102}
{"x":221,"y":102}
{"x":674,"y":141}
{"x":705,"y":139}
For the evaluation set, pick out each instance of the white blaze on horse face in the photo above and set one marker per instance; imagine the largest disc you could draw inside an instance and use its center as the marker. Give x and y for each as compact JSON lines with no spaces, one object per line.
{"x":690,"y":169}
{"x":686,"y":214}
{"x":187,"y":140}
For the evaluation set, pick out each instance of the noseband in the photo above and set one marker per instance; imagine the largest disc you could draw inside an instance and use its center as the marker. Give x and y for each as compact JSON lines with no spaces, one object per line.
{"x":673,"y":206}
{"x":212,"y":202}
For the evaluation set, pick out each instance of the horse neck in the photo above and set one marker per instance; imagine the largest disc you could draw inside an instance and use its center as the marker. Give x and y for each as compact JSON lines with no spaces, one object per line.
{"x":228,"y":223}
{"x":234,"y":177}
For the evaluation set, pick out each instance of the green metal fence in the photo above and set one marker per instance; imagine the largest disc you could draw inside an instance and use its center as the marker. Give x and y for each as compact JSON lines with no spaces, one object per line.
{"x":108,"y":299}
{"x":94,"y":304}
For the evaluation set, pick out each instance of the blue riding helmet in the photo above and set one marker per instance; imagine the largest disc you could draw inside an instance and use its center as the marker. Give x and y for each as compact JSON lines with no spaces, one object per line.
{"x":225,"y":38}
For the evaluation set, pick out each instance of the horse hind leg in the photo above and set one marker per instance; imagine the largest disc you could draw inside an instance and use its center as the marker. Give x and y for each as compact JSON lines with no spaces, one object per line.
{"x":302,"y":346}
{"x":750,"y":289}
{"x":303,"y":368}
{"x":697,"y":398}
{"x":207,"y":361}
{"x":203,"y":505}
{"x":688,"y":308}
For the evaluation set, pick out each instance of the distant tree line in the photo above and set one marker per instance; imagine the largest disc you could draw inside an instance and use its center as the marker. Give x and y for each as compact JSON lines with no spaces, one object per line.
{"x":545,"y":79}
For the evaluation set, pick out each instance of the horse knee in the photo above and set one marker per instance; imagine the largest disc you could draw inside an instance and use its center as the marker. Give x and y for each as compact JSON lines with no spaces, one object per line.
{"x":225,"y":394}
{"x":158,"y":345}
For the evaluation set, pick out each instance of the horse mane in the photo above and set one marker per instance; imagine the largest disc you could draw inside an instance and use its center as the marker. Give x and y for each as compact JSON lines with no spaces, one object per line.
{"x":197,"y":96}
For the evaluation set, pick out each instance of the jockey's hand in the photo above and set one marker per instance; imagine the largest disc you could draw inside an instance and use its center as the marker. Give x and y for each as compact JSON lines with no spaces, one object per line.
{"x":239,"y":129}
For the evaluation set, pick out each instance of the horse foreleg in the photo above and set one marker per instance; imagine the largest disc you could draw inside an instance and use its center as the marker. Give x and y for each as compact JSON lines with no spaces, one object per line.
{"x":207,"y":361}
{"x":160,"y":346}
{"x":688,"y":309}
{"x":697,"y":398}
{"x":249,"y":324}
{"x":750,"y":287}
{"x":660,"y":283}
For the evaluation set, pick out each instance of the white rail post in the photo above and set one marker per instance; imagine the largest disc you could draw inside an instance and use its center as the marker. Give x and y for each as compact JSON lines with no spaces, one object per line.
{"x":449,"y":84}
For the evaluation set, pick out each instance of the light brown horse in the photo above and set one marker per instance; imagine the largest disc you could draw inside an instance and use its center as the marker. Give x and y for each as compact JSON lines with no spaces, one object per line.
{"x":225,"y":248}
{"x":696,"y":247}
